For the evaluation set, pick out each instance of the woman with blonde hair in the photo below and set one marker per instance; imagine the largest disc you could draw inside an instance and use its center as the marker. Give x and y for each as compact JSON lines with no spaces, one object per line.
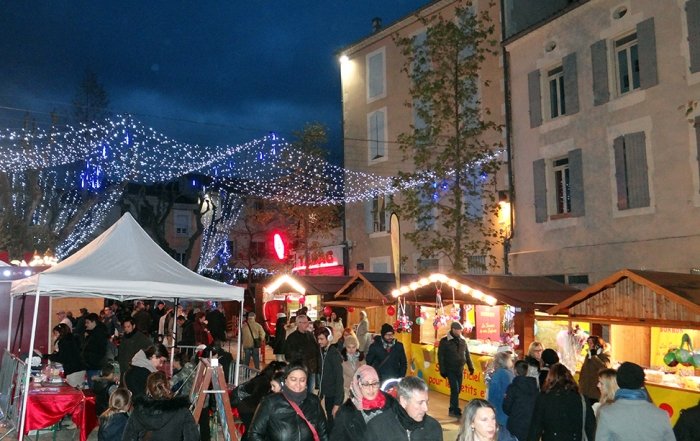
{"x":113,"y":420}
{"x":479,"y":423}
{"x":352,"y":360}
{"x":607,"y":384}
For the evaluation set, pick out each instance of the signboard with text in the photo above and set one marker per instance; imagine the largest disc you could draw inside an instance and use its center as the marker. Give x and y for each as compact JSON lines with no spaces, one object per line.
{"x":488,"y":322}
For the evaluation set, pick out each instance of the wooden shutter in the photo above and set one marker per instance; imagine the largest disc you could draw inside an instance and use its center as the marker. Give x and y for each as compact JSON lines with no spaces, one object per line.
{"x":692,"y":14}
{"x":533,"y":88}
{"x":578,"y":206}
{"x":599,"y":63}
{"x":637,"y":170}
{"x":570,"y":84}
{"x":646,"y":39}
{"x":369,"y":216}
{"x":540,"y":180}
{"x":620,"y":172}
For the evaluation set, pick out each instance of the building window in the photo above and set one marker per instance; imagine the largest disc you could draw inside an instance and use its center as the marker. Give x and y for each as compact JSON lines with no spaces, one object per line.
{"x":561,"y":185}
{"x":476,"y":264}
{"x":180,"y":257}
{"x":379,"y":214}
{"x":379,"y":264}
{"x":258,"y":250}
{"x":627,"y":58}
{"x":557,"y":104}
{"x":376,"y":85}
{"x":376,"y":135}
{"x":428,"y":265}
{"x":631,"y":171}
{"x":182,"y":223}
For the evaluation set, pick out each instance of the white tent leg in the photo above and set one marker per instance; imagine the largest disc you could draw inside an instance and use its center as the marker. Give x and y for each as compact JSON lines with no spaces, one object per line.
{"x":9,"y":324}
{"x":27,"y":376}
{"x":238,"y":345}
{"x":174,"y":335}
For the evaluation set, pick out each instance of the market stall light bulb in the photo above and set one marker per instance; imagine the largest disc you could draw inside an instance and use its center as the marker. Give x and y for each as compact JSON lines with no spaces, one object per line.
{"x":404,"y":289}
{"x":396,"y":293}
{"x":423,"y":281}
{"x":413,"y":286}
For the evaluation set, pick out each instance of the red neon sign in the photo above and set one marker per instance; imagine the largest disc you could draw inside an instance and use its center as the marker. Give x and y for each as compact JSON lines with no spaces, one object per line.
{"x":279,"y":246}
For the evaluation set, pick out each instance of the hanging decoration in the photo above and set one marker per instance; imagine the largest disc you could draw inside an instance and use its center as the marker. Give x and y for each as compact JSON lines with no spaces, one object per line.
{"x":390,"y":310}
{"x":350,"y":309}
{"x":327,"y":311}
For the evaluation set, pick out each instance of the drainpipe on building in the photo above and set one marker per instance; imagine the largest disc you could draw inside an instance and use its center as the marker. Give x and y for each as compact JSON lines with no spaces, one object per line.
{"x":509,"y":153}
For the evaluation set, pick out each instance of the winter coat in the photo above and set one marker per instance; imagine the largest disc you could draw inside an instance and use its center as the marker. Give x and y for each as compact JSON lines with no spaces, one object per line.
{"x":201,"y":333}
{"x":187,"y":335}
{"x":301,"y":348}
{"x":164,"y":420}
{"x":68,"y":355}
{"x":637,"y":420}
{"x":95,"y":347}
{"x":558,"y":416}
{"x":395,"y":425}
{"x":500,"y":381}
{"x":112,"y":427}
{"x":129,"y":345}
{"x":687,"y":427}
{"x":276,"y":420}
{"x":389,"y":363}
{"x":349,"y":367}
{"x":453,"y":353}
{"x":280,"y":337}
{"x":135,"y":378}
{"x":142,"y":320}
{"x":103,"y":388}
{"x":363,"y":336}
{"x":331,"y":384}
{"x":251,"y":330}
{"x":349,"y":423}
{"x":519,"y":403}
{"x":217,"y":324}
{"x":588,"y":377}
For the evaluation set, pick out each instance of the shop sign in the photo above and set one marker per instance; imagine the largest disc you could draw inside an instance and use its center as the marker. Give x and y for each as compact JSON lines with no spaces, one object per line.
{"x":488,"y":323}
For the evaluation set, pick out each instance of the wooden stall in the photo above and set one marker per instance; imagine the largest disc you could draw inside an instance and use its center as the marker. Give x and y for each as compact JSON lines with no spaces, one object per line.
{"x":645,"y":314}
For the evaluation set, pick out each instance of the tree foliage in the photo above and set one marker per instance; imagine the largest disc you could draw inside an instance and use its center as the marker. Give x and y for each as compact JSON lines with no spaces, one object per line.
{"x":452,"y":137}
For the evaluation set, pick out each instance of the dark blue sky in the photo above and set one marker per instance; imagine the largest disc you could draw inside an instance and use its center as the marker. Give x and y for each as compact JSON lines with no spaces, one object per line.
{"x":201,"y":72}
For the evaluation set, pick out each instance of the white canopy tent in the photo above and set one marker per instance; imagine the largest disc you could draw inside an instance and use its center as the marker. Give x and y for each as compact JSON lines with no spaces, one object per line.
{"x":123,"y":263}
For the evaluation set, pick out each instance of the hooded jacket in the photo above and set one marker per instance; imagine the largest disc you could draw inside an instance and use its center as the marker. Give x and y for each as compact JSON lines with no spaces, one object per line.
{"x":135,"y":378}
{"x":519,"y":403}
{"x":129,"y":345}
{"x":166,"y":420}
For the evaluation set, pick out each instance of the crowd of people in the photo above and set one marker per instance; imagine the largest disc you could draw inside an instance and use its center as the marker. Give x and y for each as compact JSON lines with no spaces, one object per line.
{"x":325,"y":384}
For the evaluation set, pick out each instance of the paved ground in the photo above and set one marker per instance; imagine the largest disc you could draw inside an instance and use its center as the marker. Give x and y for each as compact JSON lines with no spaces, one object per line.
{"x":438,"y":406}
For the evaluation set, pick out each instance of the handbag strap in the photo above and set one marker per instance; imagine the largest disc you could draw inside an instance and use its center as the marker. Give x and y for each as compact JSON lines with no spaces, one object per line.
{"x":250,"y":330}
{"x":295,"y":406}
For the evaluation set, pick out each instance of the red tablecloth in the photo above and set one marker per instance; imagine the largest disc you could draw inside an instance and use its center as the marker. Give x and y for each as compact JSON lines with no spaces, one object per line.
{"x":46,"y":406}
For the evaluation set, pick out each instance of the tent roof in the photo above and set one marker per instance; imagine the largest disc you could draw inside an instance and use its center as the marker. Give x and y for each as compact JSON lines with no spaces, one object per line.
{"x":652,"y":297}
{"x":124,"y":263}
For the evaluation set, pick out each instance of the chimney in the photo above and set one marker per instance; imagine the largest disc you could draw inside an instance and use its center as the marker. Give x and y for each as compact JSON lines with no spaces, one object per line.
{"x":376,"y":24}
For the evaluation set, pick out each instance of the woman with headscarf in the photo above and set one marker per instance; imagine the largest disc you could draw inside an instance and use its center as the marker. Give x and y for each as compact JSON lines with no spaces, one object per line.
{"x":366,"y":402}
{"x":294,"y":414}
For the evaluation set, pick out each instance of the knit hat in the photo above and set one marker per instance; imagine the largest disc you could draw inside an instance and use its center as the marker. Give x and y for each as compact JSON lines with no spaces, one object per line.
{"x":456,"y":325}
{"x":386,"y":328}
{"x":550,"y":357}
{"x":630,"y":376}
{"x":363,"y":374}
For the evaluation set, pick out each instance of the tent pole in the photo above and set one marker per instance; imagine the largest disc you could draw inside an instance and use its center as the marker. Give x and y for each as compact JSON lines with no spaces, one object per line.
{"x":238,"y":344}
{"x":174,"y":335}
{"x":9,"y":323}
{"x":28,"y":368}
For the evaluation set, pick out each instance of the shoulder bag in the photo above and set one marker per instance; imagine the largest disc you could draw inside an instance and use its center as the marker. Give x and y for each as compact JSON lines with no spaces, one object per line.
{"x":256,"y":341}
{"x":301,"y":415}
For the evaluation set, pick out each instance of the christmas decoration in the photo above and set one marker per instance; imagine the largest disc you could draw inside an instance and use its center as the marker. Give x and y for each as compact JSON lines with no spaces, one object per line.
{"x":390,"y":310}
{"x":327,"y":311}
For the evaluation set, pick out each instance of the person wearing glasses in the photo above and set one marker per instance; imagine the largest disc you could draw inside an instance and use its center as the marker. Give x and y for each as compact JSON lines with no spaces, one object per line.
{"x":407,"y":419}
{"x":366,"y":402}
{"x":386,"y":355}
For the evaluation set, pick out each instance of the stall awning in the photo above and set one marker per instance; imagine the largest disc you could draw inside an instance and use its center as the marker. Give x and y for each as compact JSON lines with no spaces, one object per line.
{"x":368,"y":290}
{"x":634,"y":296}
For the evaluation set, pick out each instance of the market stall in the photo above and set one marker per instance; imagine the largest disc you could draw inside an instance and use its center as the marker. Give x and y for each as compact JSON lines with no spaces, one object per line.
{"x":645,"y":316}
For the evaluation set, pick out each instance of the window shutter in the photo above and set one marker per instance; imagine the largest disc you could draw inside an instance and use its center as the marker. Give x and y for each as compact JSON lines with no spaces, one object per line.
{"x":387,"y":214}
{"x":570,"y":84}
{"x":692,"y":14}
{"x":697,"y":138}
{"x":533,"y":88}
{"x":369,"y":216}
{"x":599,"y":61}
{"x":540,"y":179}
{"x":637,"y":173}
{"x":578,"y":206}
{"x":620,"y":172}
{"x":376,"y":75}
{"x":647,"y":53}
{"x":381,"y":140}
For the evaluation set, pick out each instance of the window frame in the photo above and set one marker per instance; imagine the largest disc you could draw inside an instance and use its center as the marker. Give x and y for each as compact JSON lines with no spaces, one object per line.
{"x":561,"y":184}
{"x":375,"y":140}
{"x":369,"y":75}
{"x":629,"y":45}
{"x":557,"y":101}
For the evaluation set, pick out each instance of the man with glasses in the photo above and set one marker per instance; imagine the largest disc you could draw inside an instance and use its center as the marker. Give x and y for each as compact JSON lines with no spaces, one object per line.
{"x":453,"y":353}
{"x":386,"y":355}
{"x":301,"y":348}
{"x":408,"y":419}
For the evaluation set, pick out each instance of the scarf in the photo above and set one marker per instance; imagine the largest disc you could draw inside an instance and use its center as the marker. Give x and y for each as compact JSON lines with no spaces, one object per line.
{"x":387,"y":345}
{"x":405,"y":420}
{"x":632,"y":394}
{"x":377,"y":403}
{"x":297,"y":397}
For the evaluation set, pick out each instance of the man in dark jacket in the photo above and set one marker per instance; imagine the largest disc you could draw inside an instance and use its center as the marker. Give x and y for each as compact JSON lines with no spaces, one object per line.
{"x":187,"y":333}
{"x":521,"y":396}
{"x":94,"y":346}
{"x":453,"y":353}
{"x":331,"y":369}
{"x":407,"y":419}
{"x":687,"y":427}
{"x":301,"y":348}
{"x":142,"y":319}
{"x":131,"y":342}
{"x":217,"y":324}
{"x":386,"y":355}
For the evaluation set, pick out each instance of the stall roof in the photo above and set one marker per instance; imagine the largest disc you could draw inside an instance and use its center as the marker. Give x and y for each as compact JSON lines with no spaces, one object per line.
{"x":326,"y":286}
{"x":527,"y":292}
{"x":653,"y":297}
{"x":367,"y":289}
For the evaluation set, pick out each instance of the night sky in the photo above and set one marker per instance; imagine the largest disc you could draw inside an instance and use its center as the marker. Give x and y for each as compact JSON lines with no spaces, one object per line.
{"x":200,"y":72}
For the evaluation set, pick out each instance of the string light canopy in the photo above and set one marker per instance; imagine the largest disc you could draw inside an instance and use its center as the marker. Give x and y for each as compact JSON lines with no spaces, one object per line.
{"x":442,"y":279}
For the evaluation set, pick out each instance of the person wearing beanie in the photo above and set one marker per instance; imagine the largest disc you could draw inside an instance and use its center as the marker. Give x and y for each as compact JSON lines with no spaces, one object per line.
{"x":386,"y":355}
{"x":366,"y":402}
{"x":549,"y":358}
{"x":453,"y":354}
{"x":633,"y":416}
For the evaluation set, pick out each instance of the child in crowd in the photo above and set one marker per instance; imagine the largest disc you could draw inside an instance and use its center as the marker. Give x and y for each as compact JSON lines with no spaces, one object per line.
{"x":113,"y":420}
{"x":277,"y":382}
{"x":520,"y":399}
{"x":103,"y":385}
